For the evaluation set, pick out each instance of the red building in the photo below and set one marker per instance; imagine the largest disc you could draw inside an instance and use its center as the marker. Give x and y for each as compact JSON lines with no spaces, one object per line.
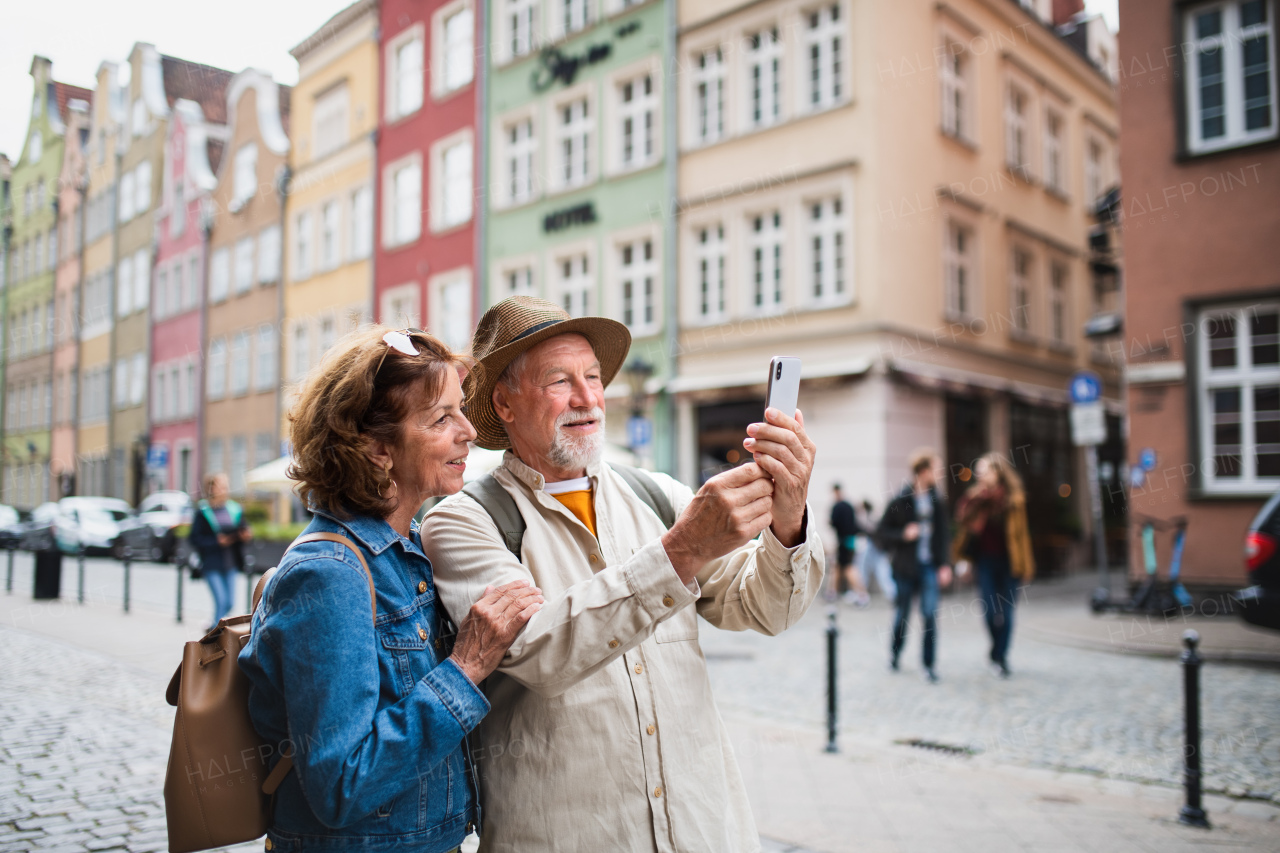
{"x":1199,"y":124}
{"x":425,"y":257}
{"x":193,"y":150}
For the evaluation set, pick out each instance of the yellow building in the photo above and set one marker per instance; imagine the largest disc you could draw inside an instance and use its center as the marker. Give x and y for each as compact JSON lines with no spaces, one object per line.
{"x":901,"y":194}
{"x":329,"y":211}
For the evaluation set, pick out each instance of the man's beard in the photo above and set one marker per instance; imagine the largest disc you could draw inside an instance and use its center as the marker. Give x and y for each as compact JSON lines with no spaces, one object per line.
{"x":577,"y":451}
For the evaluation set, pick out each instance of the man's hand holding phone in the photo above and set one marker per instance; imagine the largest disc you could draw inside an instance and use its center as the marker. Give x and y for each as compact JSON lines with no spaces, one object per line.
{"x":782,"y":448}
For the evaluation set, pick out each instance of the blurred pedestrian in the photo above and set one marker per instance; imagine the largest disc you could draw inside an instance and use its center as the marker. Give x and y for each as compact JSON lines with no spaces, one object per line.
{"x":218,"y":533}
{"x":871,"y":556}
{"x":359,"y":673}
{"x":992,"y":517}
{"x":915,"y":530}
{"x":848,"y":579}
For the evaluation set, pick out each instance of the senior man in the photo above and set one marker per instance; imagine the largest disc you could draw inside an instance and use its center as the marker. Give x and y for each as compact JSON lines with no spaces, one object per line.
{"x":603,"y":733}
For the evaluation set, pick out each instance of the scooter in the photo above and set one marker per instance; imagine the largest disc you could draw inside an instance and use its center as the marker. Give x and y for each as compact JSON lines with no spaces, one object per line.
{"x":1155,"y":595}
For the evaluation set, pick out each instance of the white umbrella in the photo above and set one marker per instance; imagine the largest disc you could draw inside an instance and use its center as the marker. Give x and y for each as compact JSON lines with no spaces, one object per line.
{"x":271,"y":476}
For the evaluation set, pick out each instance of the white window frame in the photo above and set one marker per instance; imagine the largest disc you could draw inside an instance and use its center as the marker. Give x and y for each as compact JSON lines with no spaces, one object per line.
{"x":243,"y":268}
{"x":956,"y":88}
{"x":769,"y":55}
{"x":517,"y":167}
{"x":581,"y":134}
{"x":240,"y":363}
{"x":1022,"y":290}
{"x":361,"y":230}
{"x":330,"y":235}
{"x":303,"y":245}
{"x":709,"y":88}
{"x":1019,"y":107}
{"x":452,"y":195}
{"x":827,"y":251}
{"x":266,"y":362}
{"x":709,"y":296}
{"x":825,"y":51}
{"x":124,"y":286}
{"x":451,"y":294}
{"x":300,"y":348}
{"x":568,"y":17}
{"x":400,"y":306}
{"x":766,"y":260}
{"x":581,"y":287}
{"x":954,"y":262}
{"x":398,"y":79}
{"x":1059,"y":302}
{"x":519,"y":23}
{"x":1230,"y":41}
{"x":330,"y":120}
{"x":452,"y":64}
{"x":641,"y":275}
{"x":393,"y":235}
{"x":1095,"y":169}
{"x":268,"y":269}
{"x":635,"y":124}
{"x":244,"y":175}
{"x":516,"y":276}
{"x":1055,"y":149}
{"x":1244,"y":376}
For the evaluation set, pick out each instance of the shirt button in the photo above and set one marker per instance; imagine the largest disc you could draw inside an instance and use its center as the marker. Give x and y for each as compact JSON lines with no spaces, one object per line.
{"x":438,"y":643}
{"x":613,"y":644}
{"x":668,"y":600}
{"x":639,"y":669}
{"x":651,"y":729}
{"x":422,"y":587}
{"x":797,"y":592}
{"x":594,"y":558}
{"x":657,"y":792}
{"x":269,"y":845}
{"x":422,"y":633}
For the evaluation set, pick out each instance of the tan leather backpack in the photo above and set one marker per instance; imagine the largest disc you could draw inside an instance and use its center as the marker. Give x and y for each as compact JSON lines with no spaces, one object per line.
{"x":217,"y":791}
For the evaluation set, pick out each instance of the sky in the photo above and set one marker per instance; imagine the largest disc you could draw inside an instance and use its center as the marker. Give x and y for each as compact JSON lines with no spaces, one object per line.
{"x":243,"y":33}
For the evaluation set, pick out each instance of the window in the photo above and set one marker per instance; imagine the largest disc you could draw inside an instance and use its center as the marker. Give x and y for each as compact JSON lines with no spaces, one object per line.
{"x":766,"y":261}
{"x":1239,"y":398}
{"x":1020,"y":290}
{"x":127,"y":195}
{"x":710,"y":257}
{"x":161,"y":302}
{"x":520,"y":19}
{"x":264,"y":448}
{"x":173,"y":294}
{"x":239,"y":464}
{"x":177,"y":211}
{"x":399,"y":308}
{"x":142,"y":187}
{"x":124,"y":287}
{"x":216,"y":462}
{"x":638,"y":275}
{"x":189,"y":389}
{"x":139,"y":117}
{"x":455,"y":186}
{"x":1058,"y":303}
{"x":1054,"y":177}
{"x":453,"y":316}
{"x":518,"y":280}
{"x":141,"y":279}
{"x":1017,"y":143}
{"x":573,"y":142}
{"x":459,"y":54}
{"x":405,"y":202}
{"x":708,"y":89}
{"x":958,"y":269}
{"x":330,"y":126}
{"x":572,"y":15}
{"x":245,"y":184}
{"x":328,"y":329}
{"x":764,"y":69}
{"x":244,"y":265}
{"x":35,"y":149}
{"x":191,"y":293}
{"x":159,"y":388}
{"x":575,"y":284}
{"x":405,"y":75}
{"x":302,"y":246}
{"x":269,"y":254}
{"x":301,"y":349}
{"x":239,"y":379}
{"x":265,"y":371}
{"x":1231,"y":74}
{"x":522,"y":148}
{"x":637,"y":122}
{"x":361,"y":223}
{"x":330,"y":235}
{"x":121,"y":395}
{"x":137,"y":378}
{"x":51,"y":245}
{"x":824,"y":56}
{"x":1093,"y":174}
{"x":828,"y":242}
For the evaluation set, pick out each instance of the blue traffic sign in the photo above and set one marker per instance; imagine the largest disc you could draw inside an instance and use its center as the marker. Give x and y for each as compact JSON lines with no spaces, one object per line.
{"x":639,"y":432}
{"x":158,"y":456}
{"x":1147,"y":459}
{"x":1086,"y":387}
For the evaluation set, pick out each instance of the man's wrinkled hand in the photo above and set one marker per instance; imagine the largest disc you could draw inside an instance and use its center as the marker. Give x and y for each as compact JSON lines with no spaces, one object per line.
{"x":727,"y":512}
{"x":783,"y":449}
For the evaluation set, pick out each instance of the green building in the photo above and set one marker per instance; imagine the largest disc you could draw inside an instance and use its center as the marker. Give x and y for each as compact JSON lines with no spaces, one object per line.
{"x":578,"y":164}
{"x":27,"y":304}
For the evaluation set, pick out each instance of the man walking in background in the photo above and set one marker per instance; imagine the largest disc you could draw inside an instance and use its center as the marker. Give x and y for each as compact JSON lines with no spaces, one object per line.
{"x":915,"y":530}
{"x":848,"y":580}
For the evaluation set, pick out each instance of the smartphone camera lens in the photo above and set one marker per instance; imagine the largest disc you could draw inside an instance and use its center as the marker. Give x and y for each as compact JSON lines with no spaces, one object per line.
{"x":778,"y":373}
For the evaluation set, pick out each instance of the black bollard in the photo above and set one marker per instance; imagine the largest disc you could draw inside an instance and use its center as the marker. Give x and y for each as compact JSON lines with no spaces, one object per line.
{"x":8,"y":577}
{"x":833,"y":634}
{"x":80,"y":573}
{"x":1192,"y":813}
{"x":128,"y":558}
{"x":178,"y":565}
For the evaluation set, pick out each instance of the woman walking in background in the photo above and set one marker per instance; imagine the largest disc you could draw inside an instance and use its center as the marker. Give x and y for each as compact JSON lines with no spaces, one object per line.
{"x":993,"y":534}
{"x":218,"y":533}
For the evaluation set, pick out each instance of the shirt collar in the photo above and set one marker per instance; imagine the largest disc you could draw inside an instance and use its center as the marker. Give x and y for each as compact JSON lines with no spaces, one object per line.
{"x":373,"y":533}
{"x":535,"y":480}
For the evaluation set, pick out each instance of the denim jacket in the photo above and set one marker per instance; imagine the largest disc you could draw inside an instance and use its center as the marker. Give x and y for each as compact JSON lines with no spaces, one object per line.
{"x":376,"y":714}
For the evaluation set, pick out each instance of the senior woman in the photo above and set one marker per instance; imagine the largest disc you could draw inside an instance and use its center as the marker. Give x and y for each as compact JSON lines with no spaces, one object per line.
{"x":375,"y":707}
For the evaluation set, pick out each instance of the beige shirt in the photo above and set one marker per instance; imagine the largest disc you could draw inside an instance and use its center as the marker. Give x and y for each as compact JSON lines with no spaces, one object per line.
{"x":603,"y":733}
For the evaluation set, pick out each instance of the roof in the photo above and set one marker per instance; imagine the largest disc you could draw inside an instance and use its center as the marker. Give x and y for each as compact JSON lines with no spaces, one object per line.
{"x":326,"y":31}
{"x":204,"y":84}
{"x":65,"y":93}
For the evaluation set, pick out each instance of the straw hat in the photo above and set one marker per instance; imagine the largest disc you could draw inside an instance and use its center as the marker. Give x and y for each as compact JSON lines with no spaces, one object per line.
{"x":513,"y":326}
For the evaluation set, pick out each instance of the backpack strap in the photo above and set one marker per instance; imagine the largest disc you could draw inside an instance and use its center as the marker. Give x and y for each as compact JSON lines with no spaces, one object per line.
{"x":496,"y":501}
{"x":285,"y":764}
{"x":488,"y":492}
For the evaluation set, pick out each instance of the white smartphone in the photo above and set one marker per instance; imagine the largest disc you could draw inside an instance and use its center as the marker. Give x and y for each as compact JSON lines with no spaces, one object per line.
{"x":784,"y":384}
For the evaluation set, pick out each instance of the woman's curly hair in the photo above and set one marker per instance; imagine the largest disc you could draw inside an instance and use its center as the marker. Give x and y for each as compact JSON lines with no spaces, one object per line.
{"x":347,"y":402}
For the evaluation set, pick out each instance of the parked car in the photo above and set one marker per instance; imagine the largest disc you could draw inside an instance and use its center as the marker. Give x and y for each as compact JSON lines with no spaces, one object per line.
{"x":71,"y":522}
{"x":1260,"y":603}
{"x":37,"y":532}
{"x":152,"y":533}
{"x":10,"y":526}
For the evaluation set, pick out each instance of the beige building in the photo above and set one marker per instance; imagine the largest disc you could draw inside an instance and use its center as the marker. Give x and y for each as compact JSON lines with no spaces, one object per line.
{"x":242,"y":365}
{"x":329,"y":211}
{"x":901,"y":195}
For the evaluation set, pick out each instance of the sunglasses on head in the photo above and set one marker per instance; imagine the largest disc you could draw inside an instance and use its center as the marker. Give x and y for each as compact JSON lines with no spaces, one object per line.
{"x":401,"y":342}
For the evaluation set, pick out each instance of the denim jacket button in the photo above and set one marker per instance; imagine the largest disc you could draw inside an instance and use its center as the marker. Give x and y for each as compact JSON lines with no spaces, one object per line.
{"x":422,"y":633}
{"x":422,"y":587}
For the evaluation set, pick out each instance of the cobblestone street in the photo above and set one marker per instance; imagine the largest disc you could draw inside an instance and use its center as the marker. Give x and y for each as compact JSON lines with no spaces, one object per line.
{"x":1067,"y":708}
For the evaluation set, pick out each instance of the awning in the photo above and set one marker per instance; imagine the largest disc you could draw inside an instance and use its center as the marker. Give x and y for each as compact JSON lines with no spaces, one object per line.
{"x":755,"y":376}
{"x":949,"y":379}
{"x":271,"y":476}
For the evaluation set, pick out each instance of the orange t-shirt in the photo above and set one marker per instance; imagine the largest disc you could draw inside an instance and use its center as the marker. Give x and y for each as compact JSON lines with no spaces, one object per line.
{"x":576,"y":497}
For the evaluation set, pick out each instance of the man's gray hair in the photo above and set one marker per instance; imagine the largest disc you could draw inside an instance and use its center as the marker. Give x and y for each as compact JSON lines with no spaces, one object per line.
{"x":513,"y":375}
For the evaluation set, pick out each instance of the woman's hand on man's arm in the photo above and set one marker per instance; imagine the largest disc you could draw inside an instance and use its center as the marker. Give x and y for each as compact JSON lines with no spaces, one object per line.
{"x":491,"y":626}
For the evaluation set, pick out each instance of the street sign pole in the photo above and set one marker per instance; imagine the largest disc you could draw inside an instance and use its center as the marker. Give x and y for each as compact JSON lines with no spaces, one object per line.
{"x":1088,"y":430}
{"x":1099,"y":533}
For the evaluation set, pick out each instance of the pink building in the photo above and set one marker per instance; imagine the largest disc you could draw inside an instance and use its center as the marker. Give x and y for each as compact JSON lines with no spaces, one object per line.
{"x":193,"y":150}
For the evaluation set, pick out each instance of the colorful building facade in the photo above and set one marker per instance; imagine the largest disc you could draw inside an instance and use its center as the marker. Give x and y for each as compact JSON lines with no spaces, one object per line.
{"x":243,"y":296}
{"x":425,"y":252}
